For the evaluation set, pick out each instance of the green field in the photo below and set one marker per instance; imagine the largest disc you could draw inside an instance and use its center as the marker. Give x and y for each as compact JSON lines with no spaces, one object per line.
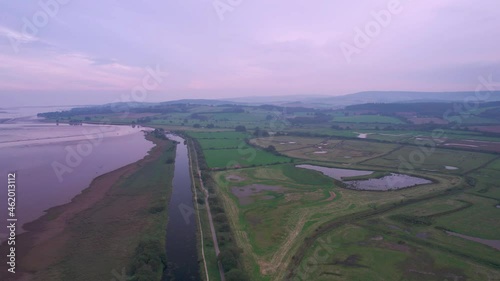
{"x":218,"y":135}
{"x":273,"y":226}
{"x":221,"y":143}
{"x":424,"y":158}
{"x":229,"y":150}
{"x":242,"y":157}
{"x":369,"y":250}
{"x":271,"y":223}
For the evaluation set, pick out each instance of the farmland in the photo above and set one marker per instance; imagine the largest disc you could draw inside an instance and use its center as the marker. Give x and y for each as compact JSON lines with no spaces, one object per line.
{"x":291,"y":223}
{"x":273,"y":209}
{"x":229,"y":149}
{"x":329,"y":149}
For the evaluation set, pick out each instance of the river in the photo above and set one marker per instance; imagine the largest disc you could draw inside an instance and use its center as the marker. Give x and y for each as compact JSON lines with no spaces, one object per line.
{"x":182,"y":253}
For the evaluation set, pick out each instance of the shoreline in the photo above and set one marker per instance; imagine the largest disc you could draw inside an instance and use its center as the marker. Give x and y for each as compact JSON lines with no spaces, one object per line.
{"x":39,"y":246}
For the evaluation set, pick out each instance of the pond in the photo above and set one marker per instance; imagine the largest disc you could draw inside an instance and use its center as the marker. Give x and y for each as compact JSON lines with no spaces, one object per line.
{"x":392,"y":181}
{"x":389,"y":182}
{"x":250,"y":193}
{"x":336,"y":173}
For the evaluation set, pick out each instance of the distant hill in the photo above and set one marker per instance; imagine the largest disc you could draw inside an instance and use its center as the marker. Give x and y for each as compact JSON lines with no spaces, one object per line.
{"x":201,"y":102}
{"x":367,"y":97}
{"x":402,"y":96}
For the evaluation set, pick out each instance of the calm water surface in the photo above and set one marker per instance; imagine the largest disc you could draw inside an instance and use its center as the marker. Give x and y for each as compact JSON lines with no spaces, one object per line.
{"x":55,"y":163}
{"x":389,"y":182}
{"x":182,"y":254}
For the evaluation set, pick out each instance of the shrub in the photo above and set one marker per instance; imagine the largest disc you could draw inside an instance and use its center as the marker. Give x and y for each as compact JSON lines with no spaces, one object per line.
{"x":149,"y":260}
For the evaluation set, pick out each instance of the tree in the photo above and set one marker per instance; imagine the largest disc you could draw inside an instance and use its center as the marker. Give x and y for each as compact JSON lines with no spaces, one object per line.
{"x":260,"y":133}
{"x":220,"y":218}
{"x":196,"y":125}
{"x":228,"y":259}
{"x":271,"y":149}
{"x":240,"y":128}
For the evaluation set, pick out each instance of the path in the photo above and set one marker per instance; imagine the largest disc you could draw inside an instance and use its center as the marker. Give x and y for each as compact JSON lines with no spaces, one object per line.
{"x":210,"y":220}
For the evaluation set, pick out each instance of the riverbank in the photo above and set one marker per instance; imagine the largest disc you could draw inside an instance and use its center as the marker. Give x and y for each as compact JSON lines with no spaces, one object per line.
{"x":94,"y":236}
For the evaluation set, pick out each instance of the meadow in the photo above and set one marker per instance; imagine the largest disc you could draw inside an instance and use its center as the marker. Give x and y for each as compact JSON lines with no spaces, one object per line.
{"x":276,"y":222}
{"x":229,"y":149}
{"x":425,"y":158}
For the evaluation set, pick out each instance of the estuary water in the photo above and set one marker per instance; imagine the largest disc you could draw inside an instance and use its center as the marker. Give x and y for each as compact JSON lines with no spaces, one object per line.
{"x":54,"y":163}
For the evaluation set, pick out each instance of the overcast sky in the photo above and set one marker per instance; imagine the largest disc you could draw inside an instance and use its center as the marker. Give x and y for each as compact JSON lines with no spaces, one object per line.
{"x":76,"y":52}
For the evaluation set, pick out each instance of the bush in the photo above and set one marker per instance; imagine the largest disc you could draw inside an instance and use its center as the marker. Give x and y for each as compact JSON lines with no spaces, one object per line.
{"x":149,"y":260}
{"x":224,"y":227}
{"x":228,"y":259}
{"x":145,"y":273}
{"x":220,"y":218}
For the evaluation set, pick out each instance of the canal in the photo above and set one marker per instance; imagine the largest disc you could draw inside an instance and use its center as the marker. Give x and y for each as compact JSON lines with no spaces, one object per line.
{"x":182,"y":254}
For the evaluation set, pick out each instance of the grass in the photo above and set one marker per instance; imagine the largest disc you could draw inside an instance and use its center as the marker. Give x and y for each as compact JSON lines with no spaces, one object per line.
{"x":241,"y":157}
{"x":221,"y":143}
{"x":218,"y":135}
{"x":229,"y":149}
{"x":479,"y":220}
{"x":332,"y":150}
{"x":208,"y":246}
{"x":382,"y":250}
{"x":425,"y":158}
{"x":273,"y":229}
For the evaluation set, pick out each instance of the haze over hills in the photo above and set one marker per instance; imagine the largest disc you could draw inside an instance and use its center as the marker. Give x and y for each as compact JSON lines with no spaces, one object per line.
{"x":345,"y":100}
{"x":326,"y":102}
{"x":366,"y":97}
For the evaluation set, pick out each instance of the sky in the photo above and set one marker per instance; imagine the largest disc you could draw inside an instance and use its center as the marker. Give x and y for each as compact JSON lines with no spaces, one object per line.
{"x":55,"y":52}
